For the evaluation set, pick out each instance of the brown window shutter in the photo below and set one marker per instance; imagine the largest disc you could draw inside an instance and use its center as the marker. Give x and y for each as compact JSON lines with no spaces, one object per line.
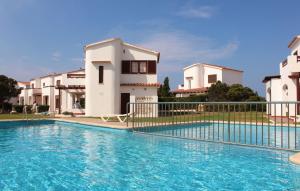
{"x":101,"y":74}
{"x":212,"y":78}
{"x":151,"y":67}
{"x":125,"y":67}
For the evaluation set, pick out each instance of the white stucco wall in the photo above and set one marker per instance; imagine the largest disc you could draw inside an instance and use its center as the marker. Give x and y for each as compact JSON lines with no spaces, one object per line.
{"x":103,"y":99}
{"x":232,"y":77}
{"x":197,"y":74}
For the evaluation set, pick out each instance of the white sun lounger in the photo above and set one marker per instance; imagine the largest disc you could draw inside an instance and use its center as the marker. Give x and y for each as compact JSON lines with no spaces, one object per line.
{"x":121,"y":117}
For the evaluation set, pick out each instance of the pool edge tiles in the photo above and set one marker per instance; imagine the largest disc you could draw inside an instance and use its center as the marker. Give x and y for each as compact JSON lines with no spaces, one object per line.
{"x":97,"y":123}
{"x":111,"y":125}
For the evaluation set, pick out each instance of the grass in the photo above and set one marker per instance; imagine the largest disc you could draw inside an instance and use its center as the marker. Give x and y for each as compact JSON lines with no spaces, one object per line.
{"x":208,"y":116}
{"x":22,"y":116}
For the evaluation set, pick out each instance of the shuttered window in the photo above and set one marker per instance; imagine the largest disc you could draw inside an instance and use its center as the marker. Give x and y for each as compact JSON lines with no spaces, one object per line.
{"x":151,"y":67}
{"x":212,"y":78}
{"x":125,"y":67}
{"x":101,"y":74}
{"x":138,"y":67}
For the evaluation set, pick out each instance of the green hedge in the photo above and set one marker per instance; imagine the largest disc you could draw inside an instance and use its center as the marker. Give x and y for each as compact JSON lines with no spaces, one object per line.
{"x":19,"y":108}
{"x":42,"y":108}
{"x":193,"y":98}
{"x":5,"y":107}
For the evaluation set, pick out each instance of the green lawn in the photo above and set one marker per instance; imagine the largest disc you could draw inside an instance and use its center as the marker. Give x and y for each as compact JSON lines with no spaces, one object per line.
{"x":208,"y":116}
{"x":22,"y":116}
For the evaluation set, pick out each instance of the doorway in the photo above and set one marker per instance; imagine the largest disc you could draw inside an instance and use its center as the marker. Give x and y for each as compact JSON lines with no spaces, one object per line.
{"x":125,"y":98}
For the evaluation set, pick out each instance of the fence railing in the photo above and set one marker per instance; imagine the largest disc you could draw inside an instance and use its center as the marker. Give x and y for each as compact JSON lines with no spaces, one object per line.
{"x":262,"y":124}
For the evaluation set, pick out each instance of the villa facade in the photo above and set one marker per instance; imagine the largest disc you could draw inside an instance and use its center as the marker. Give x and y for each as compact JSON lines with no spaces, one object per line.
{"x":200,"y":76}
{"x":115,"y":73}
{"x":59,"y":91}
{"x":285,"y":86}
{"x":118,"y":73}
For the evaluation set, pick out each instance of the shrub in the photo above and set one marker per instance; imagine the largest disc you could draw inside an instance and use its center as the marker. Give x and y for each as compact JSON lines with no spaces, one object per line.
{"x":28,"y":108}
{"x":6,"y":107}
{"x":192,"y":98}
{"x":42,"y":108}
{"x":19,"y":108}
{"x":67,"y":113}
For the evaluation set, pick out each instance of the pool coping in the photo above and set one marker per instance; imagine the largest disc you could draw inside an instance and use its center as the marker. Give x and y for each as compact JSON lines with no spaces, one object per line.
{"x":103,"y":125}
{"x":111,"y":125}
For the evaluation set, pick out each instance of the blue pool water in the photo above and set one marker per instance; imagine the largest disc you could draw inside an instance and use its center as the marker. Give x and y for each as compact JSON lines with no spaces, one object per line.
{"x":286,"y":137}
{"x":64,"y":156}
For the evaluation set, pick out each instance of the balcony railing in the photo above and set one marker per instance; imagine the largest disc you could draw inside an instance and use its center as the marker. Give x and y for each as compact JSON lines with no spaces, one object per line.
{"x":261,"y":124}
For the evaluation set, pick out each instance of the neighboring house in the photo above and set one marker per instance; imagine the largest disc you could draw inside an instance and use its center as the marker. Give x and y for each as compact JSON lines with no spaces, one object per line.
{"x":285,"y":87}
{"x":59,"y":91}
{"x":200,"y":76}
{"x":118,"y":73}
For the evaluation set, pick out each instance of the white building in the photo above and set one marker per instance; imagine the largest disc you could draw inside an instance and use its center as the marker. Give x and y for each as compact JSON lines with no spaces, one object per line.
{"x":200,"y":76}
{"x":59,"y":91}
{"x":285,"y":87}
{"x":118,"y":73}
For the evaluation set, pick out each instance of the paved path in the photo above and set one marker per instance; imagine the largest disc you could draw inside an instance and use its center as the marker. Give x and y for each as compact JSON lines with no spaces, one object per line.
{"x":95,"y":121}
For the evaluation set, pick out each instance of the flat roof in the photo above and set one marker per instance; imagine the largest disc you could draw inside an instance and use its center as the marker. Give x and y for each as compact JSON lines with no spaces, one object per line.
{"x":268,"y":78}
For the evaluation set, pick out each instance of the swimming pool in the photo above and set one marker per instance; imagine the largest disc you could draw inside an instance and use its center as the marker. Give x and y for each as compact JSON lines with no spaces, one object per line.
{"x":66,"y":156}
{"x":268,"y":135}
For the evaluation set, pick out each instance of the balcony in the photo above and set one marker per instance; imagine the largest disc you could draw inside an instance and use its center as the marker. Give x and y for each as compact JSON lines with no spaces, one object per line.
{"x":298,"y":58}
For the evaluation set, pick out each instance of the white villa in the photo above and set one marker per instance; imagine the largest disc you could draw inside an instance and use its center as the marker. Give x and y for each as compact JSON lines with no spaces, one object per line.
{"x":118,"y":73}
{"x":59,"y":91}
{"x":285,"y":87}
{"x":115,"y":73}
{"x":200,"y":76}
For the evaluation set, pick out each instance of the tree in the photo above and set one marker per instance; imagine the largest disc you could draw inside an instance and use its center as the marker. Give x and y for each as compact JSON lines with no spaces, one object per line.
{"x":237,"y":92}
{"x":164,"y":90}
{"x":8,"y":89}
{"x":217,"y":92}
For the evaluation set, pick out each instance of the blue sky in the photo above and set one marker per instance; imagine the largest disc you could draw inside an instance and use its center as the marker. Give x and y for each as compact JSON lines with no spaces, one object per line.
{"x":38,"y":36}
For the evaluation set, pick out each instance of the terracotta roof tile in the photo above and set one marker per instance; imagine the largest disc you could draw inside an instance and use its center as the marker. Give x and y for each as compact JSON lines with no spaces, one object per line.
{"x":141,"y":84}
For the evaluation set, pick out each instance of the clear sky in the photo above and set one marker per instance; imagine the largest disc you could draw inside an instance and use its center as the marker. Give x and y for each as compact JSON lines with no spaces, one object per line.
{"x":38,"y":36}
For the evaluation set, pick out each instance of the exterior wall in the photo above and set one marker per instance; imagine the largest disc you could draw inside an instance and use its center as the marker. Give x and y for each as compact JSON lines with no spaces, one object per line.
{"x":105,"y":98}
{"x":196,"y":76}
{"x":274,"y":94}
{"x":232,"y":77}
{"x":47,"y":84}
{"x":285,"y":88}
{"x":210,"y":71}
{"x":142,"y":95}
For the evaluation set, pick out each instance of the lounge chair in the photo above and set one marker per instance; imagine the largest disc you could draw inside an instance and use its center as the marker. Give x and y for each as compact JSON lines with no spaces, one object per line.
{"x":107,"y":118}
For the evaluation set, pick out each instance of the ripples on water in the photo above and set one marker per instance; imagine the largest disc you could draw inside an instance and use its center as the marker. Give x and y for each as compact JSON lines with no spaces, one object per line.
{"x":64,"y":156}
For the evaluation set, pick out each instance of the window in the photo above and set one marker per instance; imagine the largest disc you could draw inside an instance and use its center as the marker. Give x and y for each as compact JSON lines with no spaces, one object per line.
{"x":58,"y":82}
{"x":212,"y":78}
{"x":32,"y":86}
{"x":101,"y":74}
{"x":134,"y":67}
{"x":143,"y":67}
{"x":44,"y":84}
{"x":125,"y":67}
{"x":151,"y":67}
{"x":138,"y":67}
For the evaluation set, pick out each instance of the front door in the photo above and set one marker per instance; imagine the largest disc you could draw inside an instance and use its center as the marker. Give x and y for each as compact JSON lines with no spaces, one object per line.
{"x":125,"y":98}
